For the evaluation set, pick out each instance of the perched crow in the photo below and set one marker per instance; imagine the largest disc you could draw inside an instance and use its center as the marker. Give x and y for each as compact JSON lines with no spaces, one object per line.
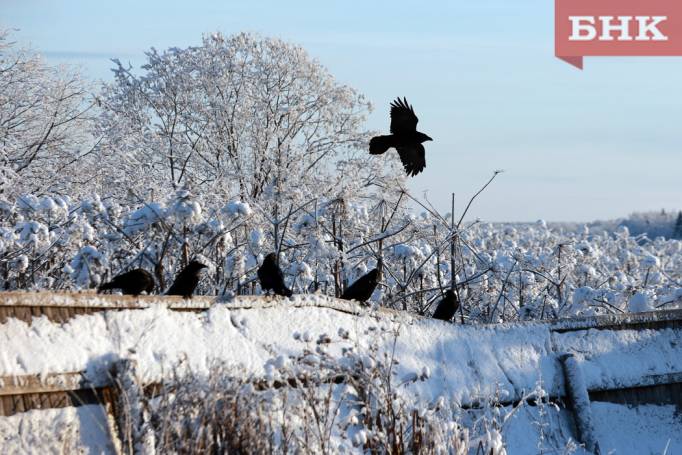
{"x":447,"y":307}
{"x":405,"y":138}
{"x":271,"y":276}
{"x":186,"y":281}
{"x":363,"y":288}
{"x":132,"y":282}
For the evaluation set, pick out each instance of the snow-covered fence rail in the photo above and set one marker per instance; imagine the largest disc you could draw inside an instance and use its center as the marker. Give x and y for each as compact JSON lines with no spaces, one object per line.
{"x":658,"y":331}
{"x":54,"y":390}
{"x":627,"y":321}
{"x":58,"y":390}
{"x":62,"y":306}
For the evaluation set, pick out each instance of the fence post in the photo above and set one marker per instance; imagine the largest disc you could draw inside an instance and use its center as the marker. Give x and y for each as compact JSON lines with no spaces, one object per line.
{"x":579,"y":399}
{"x":134,"y":433}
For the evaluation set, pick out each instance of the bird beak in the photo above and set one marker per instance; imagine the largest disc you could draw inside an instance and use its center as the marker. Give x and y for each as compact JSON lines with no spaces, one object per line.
{"x":428,"y":138}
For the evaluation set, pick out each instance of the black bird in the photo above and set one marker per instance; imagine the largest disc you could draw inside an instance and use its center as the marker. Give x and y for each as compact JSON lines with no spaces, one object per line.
{"x":132,"y":282}
{"x":404,"y":137}
{"x":271,"y":276}
{"x":186,"y":281}
{"x":363,"y":287}
{"x":447,"y":307}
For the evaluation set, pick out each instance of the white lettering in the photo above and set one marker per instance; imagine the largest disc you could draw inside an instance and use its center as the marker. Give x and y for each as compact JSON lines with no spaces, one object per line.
{"x":582,"y":28}
{"x":649,"y":30}
{"x":607,"y":26}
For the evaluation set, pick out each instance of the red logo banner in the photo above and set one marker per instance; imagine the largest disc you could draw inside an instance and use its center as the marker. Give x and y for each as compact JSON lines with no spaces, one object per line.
{"x":617,"y":28}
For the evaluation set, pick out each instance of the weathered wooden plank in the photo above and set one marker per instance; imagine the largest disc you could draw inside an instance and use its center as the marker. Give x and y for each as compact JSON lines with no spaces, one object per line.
{"x":13,"y":404}
{"x":60,"y":307}
{"x":579,"y":400}
{"x":66,"y":389}
{"x":91,"y":299}
{"x":56,"y":382}
{"x":23,"y":313}
{"x":6,"y":405}
{"x":648,"y":320}
{"x":32,"y":401}
{"x":65,"y":314}
{"x":658,"y":394}
{"x":17,"y":404}
{"x":58,"y":400}
{"x":36,"y":311}
{"x":90,"y":302}
{"x":44,"y":400}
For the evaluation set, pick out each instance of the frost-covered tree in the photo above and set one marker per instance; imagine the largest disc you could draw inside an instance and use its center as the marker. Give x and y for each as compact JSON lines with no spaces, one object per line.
{"x":259,"y":135}
{"x":243,"y":116}
{"x":45,"y":122}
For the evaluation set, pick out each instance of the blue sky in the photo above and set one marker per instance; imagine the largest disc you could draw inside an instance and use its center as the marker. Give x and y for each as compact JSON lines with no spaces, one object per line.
{"x":575,"y":146}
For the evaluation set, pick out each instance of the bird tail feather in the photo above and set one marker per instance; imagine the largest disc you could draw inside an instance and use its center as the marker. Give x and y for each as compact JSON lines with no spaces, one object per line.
{"x":379,"y":144}
{"x":105,"y":287}
{"x":285,"y":291}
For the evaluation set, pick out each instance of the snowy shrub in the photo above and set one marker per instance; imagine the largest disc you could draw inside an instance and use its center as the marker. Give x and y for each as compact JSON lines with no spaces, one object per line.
{"x":237,"y":208}
{"x":86,"y":267}
{"x":311,"y":402}
{"x":503,"y":273}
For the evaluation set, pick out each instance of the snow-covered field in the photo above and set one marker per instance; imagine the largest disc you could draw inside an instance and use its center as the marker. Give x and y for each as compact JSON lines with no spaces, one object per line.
{"x":465,"y":365}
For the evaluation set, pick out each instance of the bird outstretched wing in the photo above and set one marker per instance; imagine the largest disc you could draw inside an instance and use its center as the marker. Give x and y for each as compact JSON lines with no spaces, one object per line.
{"x":413,"y":158}
{"x":403,"y":118}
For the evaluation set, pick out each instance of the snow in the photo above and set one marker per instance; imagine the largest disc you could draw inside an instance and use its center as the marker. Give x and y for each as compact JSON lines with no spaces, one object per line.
{"x":534,"y":430}
{"x":237,"y":208}
{"x":639,"y":303}
{"x":640,"y":430}
{"x":85,"y":266}
{"x":622,"y":358}
{"x":621,"y":430}
{"x":576,"y":390}
{"x":465,"y":364}
{"x":142,"y":218}
{"x":67,"y":430}
{"x":650,"y":261}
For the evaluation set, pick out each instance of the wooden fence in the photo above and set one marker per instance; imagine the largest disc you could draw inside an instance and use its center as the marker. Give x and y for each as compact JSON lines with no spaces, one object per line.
{"x":23,"y":393}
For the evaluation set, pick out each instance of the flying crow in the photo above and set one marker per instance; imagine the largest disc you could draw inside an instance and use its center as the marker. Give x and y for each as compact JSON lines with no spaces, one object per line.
{"x":447,"y":307}
{"x":271,"y":276}
{"x":186,"y":281}
{"x":363,"y":288}
{"x":404,"y":137}
{"x":132,"y":282}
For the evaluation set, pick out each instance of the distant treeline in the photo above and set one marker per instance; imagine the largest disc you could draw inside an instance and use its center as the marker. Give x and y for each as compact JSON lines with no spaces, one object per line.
{"x":667,"y":224}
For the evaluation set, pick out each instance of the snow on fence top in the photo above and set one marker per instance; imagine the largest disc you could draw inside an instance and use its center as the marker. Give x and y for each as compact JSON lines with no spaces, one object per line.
{"x":466,"y":363}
